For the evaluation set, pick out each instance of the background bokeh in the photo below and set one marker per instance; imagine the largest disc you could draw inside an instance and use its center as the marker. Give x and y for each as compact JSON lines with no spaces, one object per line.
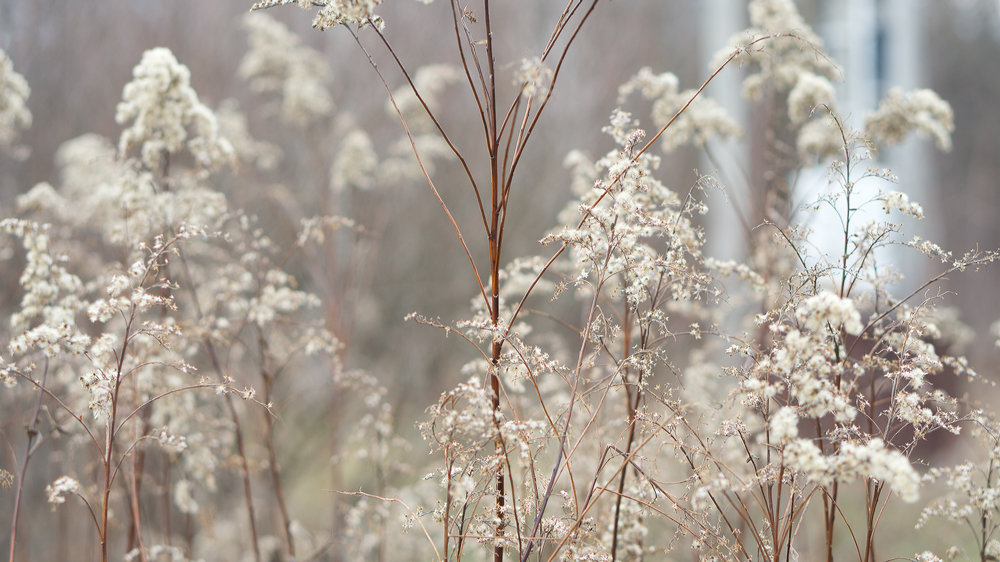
{"x":77,"y":55}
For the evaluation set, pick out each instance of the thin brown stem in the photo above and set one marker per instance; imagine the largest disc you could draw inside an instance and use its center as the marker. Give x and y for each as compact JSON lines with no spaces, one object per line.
{"x":631,"y":410}
{"x":34,"y":440}
{"x":233,"y":415}
{"x":423,"y":170}
{"x":268,"y":379}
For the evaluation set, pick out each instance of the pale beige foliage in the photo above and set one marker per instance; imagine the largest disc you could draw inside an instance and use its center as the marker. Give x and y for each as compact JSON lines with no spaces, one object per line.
{"x":703,"y":120}
{"x":14,"y":91}
{"x":356,"y":163}
{"x":921,"y":111}
{"x":278,"y":63}
{"x":161,"y":106}
{"x":794,"y":50}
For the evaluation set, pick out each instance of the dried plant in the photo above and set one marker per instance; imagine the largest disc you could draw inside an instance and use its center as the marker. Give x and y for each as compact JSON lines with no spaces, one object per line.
{"x":677,"y":407}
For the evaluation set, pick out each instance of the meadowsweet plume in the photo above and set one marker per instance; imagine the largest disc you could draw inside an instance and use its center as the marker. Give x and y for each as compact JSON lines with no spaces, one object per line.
{"x":535,"y":75}
{"x":356,"y":163}
{"x":921,"y":111}
{"x":279,"y":64}
{"x":161,"y":106}
{"x":63,"y":486}
{"x":14,"y":91}
{"x":701,"y":122}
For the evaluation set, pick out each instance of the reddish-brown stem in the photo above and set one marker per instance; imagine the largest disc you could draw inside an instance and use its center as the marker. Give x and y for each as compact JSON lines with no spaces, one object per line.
{"x":630,"y":407}
{"x":449,"y":463}
{"x":557,"y":465}
{"x":244,"y":471}
{"x":138,"y":461}
{"x":423,"y":170}
{"x":523,"y":133}
{"x":109,"y":435}
{"x":165,"y":505}
{"x":494,"y":245}
{"x":444,"y":135}
{"x":831,"y":517}
{"x":135,"y":531}
{"x":456,"y":15}
{"x":34,"y":440}
{"x":523,"y":138}
{"x":873,"y":493}
{"x":135,"y":528}
{"x":233,"y":414}
{"x":268,"y":379}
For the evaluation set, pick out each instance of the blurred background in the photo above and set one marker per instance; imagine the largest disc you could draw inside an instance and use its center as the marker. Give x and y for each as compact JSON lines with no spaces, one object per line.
{"x":77,"y":54}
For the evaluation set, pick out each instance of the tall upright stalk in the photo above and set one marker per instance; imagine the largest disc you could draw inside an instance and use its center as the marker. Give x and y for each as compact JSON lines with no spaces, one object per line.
{"x":505,"y":144}
{"x":31,"y":445}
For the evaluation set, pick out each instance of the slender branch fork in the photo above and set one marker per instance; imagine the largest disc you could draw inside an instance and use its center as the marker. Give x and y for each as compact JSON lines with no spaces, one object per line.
{"x":505,"y":146}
